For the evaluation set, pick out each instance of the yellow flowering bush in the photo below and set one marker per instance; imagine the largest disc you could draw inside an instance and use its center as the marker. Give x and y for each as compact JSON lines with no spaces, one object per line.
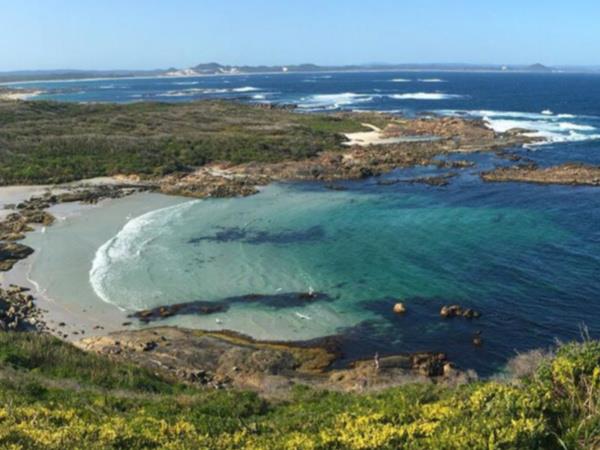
{"x":556,"y":408}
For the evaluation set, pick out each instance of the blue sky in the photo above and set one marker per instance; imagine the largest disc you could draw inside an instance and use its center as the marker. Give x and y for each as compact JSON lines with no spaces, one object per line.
{"x":144,"y":34}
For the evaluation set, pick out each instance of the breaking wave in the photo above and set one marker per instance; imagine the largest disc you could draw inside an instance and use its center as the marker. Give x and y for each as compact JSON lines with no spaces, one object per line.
{"x":547,"y":125}
{"x":206,"y":91}
{"x":425,"y":96}
{"x":334,"y":101}
{"x":245,"y":89}
{"x":127,"y":245}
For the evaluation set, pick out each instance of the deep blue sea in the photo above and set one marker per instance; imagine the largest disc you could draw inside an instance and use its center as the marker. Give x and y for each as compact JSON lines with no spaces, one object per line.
{"x":526,"y":256}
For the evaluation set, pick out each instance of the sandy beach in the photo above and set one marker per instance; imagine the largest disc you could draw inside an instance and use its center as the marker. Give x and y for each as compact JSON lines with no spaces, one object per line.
{"x":16,"y":95}
{"x":65,"y":320}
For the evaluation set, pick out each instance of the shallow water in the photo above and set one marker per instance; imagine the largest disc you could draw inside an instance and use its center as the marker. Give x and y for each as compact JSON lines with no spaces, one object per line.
{"x":526,"y":256}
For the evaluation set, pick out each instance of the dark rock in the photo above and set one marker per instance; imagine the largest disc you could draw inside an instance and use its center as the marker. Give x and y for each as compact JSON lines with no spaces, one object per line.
{"x":200,"y":307}
{"x":149,"y":346}
{"x":335,"y":187}
{"x":458,"y":311}
{"x":11,"y":253}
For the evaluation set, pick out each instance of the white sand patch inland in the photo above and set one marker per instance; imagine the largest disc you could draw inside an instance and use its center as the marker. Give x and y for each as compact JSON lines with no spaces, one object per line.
{"x":377,"y":137}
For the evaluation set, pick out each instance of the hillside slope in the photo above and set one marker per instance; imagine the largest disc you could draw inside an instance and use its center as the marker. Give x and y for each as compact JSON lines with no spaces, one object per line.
{"x":54,"y":396}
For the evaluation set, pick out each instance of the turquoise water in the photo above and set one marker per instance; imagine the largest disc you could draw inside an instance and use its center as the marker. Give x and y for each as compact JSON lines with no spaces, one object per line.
{"x":526,"y":256}
{"x":514,"y":254}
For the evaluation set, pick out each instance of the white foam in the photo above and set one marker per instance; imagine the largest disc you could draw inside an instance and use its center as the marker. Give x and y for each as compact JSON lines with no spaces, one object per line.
{"x":400,"y":80}
{"x":575,"y":127}
{"x":246,"y":89}
{"x":550,"y":131}
{"x":303,"y":316}
{"x":186,"y":83}
{"x":334,"y":101}
{"x":206,"y":91}
{"x":126,"y":246}
{"x":192,"y":92}
{"x":431,"y":80}
{"x":550,"y":127}
{"x":425,"y":96}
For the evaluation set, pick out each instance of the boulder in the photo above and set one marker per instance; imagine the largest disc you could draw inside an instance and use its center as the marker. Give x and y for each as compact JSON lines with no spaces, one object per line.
{"x":11,"y":253}
{"x":449,"y":311}
{"x":399,"y":308}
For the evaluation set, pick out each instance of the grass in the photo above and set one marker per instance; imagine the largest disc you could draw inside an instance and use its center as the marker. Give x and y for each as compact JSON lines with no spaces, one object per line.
{"x":55,"y":396}
{"x":50,"y":142}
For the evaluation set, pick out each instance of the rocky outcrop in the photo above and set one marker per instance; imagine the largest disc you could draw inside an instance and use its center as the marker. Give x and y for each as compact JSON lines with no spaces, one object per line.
{"x":570,"y":173}
{"x":33,"y":212}
{"x":459,"y":311}
{"x":225,"y":359}
{"x":357,"y":162}
{"x":11,"y":253}
{"x":18,"y":311}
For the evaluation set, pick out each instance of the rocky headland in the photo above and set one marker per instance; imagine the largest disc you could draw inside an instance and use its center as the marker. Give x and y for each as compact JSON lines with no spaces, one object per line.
{"x":361,"y":160}
{"x":225,"y":359}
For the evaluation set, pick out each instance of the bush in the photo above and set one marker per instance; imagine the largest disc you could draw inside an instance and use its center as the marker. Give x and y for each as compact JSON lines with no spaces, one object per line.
{"x":555,"y":408}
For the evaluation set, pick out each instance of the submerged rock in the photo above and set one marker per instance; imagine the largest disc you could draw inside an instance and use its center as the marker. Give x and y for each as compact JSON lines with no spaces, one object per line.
{"x":201,"y":307}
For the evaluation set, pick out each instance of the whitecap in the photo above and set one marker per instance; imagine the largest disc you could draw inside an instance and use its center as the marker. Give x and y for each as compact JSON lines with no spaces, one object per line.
{"x":549,"y":127}
{"x":400,"y":80}
{"x":431,"y":80}
{"x":576,"y":127}
{"x":550,"y":131}
{"x":425,"y":96}
{"x":246,"y":89}
{"x":334,"y":101}
{"x":192,"y":92}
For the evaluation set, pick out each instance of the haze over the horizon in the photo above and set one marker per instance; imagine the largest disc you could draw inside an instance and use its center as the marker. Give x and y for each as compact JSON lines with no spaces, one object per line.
{"x":149,"y":34}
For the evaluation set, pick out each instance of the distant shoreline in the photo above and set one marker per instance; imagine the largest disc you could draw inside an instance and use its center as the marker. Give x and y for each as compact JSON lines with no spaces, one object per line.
{"x":153,"y":77}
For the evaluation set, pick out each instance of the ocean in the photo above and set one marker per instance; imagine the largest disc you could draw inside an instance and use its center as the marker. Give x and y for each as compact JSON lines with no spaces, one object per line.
{"x":526,"y":256}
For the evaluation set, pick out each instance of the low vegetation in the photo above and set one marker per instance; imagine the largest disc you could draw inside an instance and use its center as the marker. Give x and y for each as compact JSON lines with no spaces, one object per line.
{"x":53,"y":396}
{"x":50,"y":142}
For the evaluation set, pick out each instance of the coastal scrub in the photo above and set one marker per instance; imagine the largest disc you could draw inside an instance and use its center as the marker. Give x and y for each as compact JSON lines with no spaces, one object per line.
{"x":54,"y":396}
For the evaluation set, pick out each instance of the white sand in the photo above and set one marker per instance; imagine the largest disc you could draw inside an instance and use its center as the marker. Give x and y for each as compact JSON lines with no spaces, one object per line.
{"x":377,"y":137}
{"x":20,"y":95}
{"x":56,"y":312}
